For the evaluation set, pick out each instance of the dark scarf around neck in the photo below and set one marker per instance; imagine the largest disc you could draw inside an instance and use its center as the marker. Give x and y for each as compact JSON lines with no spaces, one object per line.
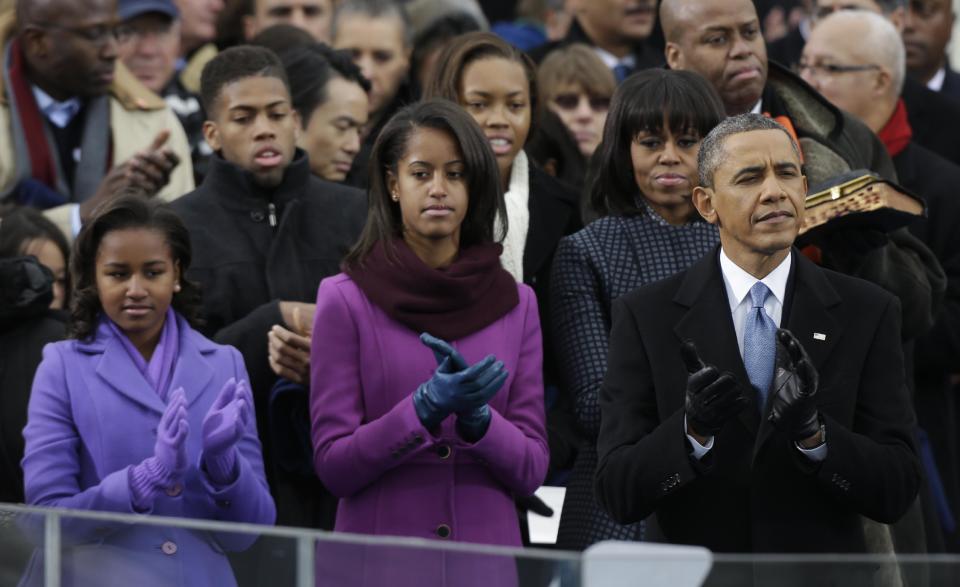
{"x":451,"y":303}
{"x":37,"y":160}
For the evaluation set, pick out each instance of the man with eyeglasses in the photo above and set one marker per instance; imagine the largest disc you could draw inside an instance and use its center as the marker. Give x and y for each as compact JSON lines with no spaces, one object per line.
{"x":150,"y":49}
{"x":926,"y":36}
{"x":934,"y":117}
{"x":75,"y":126}
{"x":856,"y":61}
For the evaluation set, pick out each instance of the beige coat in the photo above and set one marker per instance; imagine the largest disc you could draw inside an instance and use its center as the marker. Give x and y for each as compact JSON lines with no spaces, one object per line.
{"x":136,"y":116}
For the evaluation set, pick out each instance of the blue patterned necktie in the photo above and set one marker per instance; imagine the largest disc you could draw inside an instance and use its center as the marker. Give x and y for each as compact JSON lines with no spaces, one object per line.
{"x":759,"y":343}
{"x":621,"y":71}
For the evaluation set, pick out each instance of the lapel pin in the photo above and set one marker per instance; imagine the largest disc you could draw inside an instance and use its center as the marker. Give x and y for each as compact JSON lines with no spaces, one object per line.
{"x":819,"y":336}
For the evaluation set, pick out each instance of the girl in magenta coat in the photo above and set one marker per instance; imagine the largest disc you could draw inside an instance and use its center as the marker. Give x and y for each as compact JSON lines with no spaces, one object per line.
{"x":428,"y":435}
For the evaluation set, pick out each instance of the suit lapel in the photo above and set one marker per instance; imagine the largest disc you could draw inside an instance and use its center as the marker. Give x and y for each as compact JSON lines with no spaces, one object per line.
{"x":117,"y":368}
{"x":808,"y":314}
{"x":708,"y":323}
{"x":192,"y":370}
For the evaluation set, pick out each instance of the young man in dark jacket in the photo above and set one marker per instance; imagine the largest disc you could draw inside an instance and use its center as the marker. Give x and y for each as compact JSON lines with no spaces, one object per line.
{"x":265,"y":232}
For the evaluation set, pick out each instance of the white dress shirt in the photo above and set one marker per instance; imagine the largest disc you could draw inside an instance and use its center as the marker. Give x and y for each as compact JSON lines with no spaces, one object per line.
{"x":738,"y":283}
{"x":611,"y":60}
{"x":60,"y":114}
{"x":936,"y":82}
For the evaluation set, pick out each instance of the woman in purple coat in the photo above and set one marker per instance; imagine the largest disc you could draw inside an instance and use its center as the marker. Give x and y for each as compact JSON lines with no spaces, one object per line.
{"x":139,"y":413}
{"x":429,"y":435}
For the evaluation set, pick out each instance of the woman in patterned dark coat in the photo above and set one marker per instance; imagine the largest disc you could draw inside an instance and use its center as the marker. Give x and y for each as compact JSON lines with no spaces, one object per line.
{"x":648,"y":230}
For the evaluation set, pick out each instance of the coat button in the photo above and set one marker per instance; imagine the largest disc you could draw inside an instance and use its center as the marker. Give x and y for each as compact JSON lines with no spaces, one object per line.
{"x":174,"y":490}
{"x":257,"y":216}
{"x":169,"y":548}
{"x":444,"y":451}
{"x":443,"y":531}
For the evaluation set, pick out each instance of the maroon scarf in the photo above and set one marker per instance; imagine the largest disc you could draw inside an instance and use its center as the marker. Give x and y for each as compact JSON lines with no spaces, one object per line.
{"x":43,"y":168}
{"x":451,"y":303}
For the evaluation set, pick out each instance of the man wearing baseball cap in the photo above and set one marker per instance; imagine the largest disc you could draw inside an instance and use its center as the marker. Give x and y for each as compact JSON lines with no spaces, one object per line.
{"x":151,"y":50}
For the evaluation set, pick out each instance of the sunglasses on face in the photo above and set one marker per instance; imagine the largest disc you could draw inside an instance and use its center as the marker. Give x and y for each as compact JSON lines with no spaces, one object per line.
{"x":572,"y":101}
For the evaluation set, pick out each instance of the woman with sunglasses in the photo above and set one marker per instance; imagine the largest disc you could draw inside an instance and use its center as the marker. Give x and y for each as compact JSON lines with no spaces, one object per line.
{"x":576,"y":86}
{"x":648,"y":230}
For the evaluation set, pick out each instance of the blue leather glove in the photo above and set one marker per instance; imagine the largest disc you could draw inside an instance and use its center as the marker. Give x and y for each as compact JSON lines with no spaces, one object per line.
{"x":472,"y":424}
{"x":451,"y":390}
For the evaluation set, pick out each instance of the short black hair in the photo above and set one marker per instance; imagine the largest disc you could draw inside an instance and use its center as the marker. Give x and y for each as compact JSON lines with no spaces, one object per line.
{"x":282,"y":37}
{"x":310,"y":70}
{"x":713,"y":153}
{"x":235,"y":64}
{"x":132,"y":208}
{"x":642,"y":103}
{"x":484,"y":192}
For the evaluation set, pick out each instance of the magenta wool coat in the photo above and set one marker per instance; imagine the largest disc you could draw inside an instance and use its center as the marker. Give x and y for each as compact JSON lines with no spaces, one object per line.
{"x":393,"y":476}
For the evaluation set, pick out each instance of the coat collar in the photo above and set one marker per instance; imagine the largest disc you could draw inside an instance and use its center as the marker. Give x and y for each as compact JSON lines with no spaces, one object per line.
{"x":808,"y":313}
{"x":235,"y":189}
{"x":553,"y":212}
{"x":193,"y":370}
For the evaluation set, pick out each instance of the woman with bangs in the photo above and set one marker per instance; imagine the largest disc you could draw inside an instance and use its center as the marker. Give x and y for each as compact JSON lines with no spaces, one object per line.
{"x":648,"y":230}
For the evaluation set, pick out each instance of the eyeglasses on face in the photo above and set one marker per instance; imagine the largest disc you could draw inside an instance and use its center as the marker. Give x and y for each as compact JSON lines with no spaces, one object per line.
{"x":832,"y":69}
{"x":98,"y":34}
{"x":571,"y":101}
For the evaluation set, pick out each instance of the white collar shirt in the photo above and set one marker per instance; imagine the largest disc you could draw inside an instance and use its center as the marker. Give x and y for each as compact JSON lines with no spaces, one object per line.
{"x":58,"y":113}
{"x":738,"y":283}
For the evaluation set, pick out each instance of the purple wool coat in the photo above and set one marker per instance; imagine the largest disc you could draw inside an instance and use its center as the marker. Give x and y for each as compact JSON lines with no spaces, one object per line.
{"x":392,"y":475}
{"x":92,"y":415}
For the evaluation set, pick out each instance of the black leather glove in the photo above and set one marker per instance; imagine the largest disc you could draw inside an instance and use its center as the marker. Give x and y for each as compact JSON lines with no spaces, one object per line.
{"x":793,"y":408}
{"x":712,"y":397}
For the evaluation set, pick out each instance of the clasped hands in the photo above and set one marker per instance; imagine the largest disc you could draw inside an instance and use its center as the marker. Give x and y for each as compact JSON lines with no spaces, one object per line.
{"x":460,"y":388}
{"x":712,"y":398}
{"x":223,"y":427}
{"x":288,"y":345}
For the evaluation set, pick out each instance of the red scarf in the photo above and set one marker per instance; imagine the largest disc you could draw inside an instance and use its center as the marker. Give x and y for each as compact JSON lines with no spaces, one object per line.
{"x":451,"y":303}
{"x":42,"y":166}
{"x":896,"y":134}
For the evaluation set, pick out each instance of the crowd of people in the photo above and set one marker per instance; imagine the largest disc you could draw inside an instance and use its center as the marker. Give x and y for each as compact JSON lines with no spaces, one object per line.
{"x":388,"y":266}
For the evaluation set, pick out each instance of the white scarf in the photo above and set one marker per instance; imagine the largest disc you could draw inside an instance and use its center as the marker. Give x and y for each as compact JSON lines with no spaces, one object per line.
{"x":518,"y":216}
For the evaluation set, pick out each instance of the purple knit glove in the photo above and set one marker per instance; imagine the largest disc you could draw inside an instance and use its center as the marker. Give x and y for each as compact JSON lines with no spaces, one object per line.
{"x":223,"y":427}
{"x":169,"y":462}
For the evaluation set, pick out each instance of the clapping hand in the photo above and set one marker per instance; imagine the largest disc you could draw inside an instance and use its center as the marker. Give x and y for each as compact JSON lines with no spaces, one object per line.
{"x":147,"y":170}
{"x":712,"y":397}
{"x":455,"y":386}
{"x":223,"y":427}
{"x":792,"y":395}
{"x":170,"y":449}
